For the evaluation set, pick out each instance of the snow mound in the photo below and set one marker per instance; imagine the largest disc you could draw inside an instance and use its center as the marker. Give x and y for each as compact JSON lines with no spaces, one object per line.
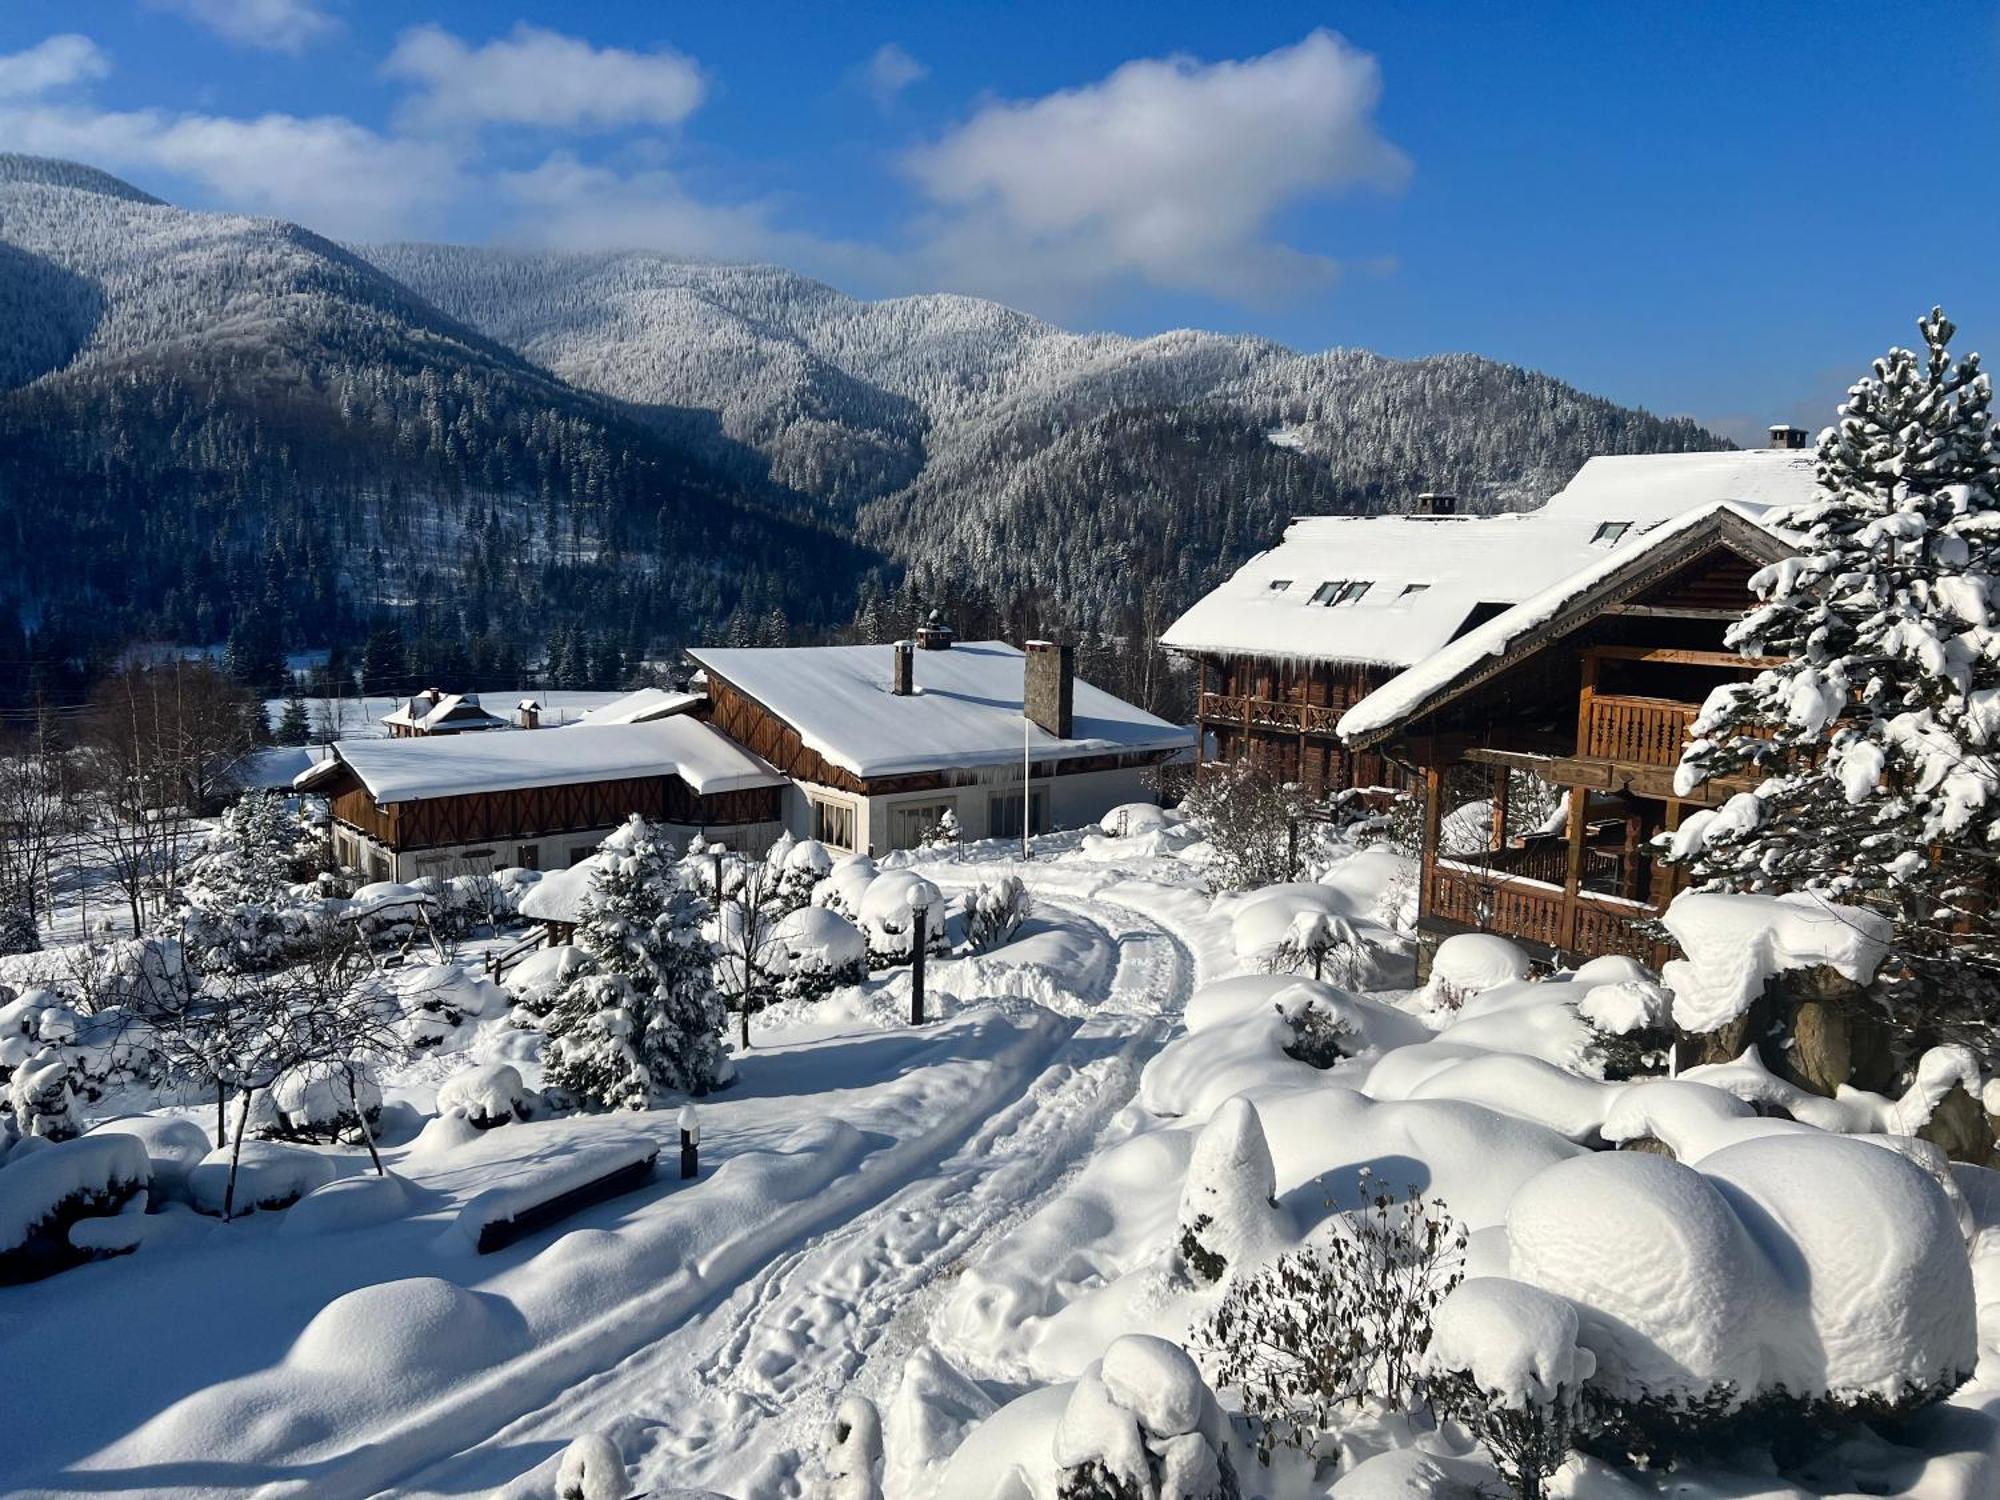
{"x":407,"y":1333}
{"x":546,"y":969}
{"x":174,"y":1144}
{"x":34,"y":1187}
{"x":487,"y":1096}
{"x":817,"y":937}
{"x":1627,"y":1005}
{"x":1470,"y":963}
{"x":1229,"y":1216}
{"x":1517,"y":1342}
{"x":1735,"y":944}
{"x":1413,"y":1474}
{"x":1668,"y":1284}
{"x":1528,"y":1088}
{"x":1133,"y":819}
{"x":347,"y":1203}
{"x":268,"y":1176}
{"x":592,"y":1468}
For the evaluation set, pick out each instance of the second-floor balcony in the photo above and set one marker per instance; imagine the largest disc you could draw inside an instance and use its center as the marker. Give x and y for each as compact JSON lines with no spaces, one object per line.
{"x":1633,"y":730}
{"x":1268,"y":713}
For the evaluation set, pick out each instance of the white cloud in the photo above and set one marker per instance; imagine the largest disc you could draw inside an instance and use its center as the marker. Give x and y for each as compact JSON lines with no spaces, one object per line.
{"x":49,"y":65}
{"x":1169,"y":171}
{"x":538,"y":77}
{"x":271,"y":25}
{"x":889,"y":72}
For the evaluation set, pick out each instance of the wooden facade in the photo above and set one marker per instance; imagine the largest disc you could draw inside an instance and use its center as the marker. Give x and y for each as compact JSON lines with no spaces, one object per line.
{"x":1595,"y":703}
{"x":1281,"y":714}
{"x":529,"y":812}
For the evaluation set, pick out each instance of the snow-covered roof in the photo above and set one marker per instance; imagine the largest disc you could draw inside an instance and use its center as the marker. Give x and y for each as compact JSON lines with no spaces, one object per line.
{"x":410,"y":770}
{"x":641,"y":706}
{"x":966,"y":710}
{"x":1426,"y":574}
{"x":429,"y":710}
{"x":1429,"y":680}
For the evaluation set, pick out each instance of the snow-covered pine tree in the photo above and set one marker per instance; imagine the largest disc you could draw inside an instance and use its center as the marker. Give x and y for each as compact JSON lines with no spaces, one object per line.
{"x":644,"y":1017}
{"x":294,"y":722}
{"x":1878,"y":735}
{"x":258,"y":848}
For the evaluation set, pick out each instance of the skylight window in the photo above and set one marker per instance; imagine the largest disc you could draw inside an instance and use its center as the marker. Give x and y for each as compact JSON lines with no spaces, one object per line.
{"x":1326,"y":593}
{"x":1279,"y":585}
{"x":1610,"y":532}
{"x":1352,"y":592}
{"x":1341,"y":591}
{"x":1412,"y":588}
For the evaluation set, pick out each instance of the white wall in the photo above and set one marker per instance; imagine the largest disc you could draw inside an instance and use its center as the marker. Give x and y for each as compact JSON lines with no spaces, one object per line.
{"x":1074,"y":801}
{"x":554,"y":851}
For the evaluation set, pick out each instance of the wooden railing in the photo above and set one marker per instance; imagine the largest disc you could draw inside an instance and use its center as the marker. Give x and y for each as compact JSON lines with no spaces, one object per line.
{"x":1539,"y":911}
{"x":1268,"y":713}
{"x":1635,"y":731}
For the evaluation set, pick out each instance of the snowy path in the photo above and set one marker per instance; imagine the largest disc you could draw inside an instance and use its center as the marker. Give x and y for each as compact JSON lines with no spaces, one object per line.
{"x":735,"y":1396}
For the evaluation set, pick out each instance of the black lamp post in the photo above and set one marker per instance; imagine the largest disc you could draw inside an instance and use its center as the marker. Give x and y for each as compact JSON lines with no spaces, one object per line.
{"x":922,"y":897}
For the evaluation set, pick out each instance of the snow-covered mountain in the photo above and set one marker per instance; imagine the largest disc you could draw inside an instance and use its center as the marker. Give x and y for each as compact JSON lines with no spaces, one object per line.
{"x":207,"y":419}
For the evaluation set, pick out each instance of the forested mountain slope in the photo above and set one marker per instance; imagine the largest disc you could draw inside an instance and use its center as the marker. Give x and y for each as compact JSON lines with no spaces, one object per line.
{"x":208,"y":422}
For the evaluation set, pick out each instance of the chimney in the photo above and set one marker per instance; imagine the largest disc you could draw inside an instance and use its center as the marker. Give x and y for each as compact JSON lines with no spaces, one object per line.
{"x":1430,"y":503}
{"x":934,"y":634}
{"x":1048,"y":692}
{"x":1784,"y":435}
{"x":904,"y":680}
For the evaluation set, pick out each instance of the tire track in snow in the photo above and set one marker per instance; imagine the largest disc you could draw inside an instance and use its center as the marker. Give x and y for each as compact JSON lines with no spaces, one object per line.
{"x":736,"y":1397}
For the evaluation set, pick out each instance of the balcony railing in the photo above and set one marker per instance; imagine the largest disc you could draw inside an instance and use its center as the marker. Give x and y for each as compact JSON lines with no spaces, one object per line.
{"x":1268,"y":713}
{"x":1499,"y":901}
{"x":1635,"y":731}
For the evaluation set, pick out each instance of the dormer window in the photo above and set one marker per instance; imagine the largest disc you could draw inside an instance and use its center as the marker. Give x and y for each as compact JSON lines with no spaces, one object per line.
{"x":1352,"y":593}
{"x":1609,"y":532}
{"x":1279,"y":585}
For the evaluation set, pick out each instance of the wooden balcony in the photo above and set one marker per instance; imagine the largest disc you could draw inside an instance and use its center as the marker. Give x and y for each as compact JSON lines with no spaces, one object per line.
{"x":1268,"y":713}
{"x":1634,"y":731}
{"x":1538,"y":911}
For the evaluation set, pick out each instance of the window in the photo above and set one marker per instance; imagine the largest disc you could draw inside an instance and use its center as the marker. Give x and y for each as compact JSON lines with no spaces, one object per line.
{"x":531,"y":856}
{"x":1352,"y":593}
{"x":1279,"y":585}
{"x":1412,"y":588}
{"x":579,"y":853}
{"x":909,"y":826}
{"x":1327,"y":592}
{"x":1345,"y":591}
{"x":1610,"y":532}
{"x":1003,"y":813}
{"x":833,"y":824}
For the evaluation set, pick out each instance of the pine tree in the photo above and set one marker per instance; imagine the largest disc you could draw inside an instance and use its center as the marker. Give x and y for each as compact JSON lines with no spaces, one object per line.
{"x":294,"y":723}
{"x":1877,"y":737}
{"x":644,"y":1018}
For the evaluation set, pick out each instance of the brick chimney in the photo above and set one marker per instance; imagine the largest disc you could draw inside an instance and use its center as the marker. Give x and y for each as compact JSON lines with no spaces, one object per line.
{"x":1430,"y":503}
{"x":1048,"y":691}
{"x":905,"y":675}
{"x":1784,"y":435}
{"x":934,"y":634}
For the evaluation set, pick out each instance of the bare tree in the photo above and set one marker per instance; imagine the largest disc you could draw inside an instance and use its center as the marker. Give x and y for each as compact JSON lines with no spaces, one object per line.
{"x":746,"y":947}
{"x":37,"y":815}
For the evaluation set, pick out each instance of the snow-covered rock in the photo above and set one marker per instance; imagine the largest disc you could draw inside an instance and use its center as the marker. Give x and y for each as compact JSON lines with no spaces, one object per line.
{"x":174,"y":1144}
{"x":489,"y":1095}
{"x":1736,"y":943}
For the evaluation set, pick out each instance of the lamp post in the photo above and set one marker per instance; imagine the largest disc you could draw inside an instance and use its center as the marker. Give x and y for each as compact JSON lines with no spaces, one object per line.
{"x":922,"y":897}
{"x":690,"y":1142}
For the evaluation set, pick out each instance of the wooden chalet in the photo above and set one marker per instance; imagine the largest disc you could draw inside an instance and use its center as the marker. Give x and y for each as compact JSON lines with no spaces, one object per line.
{"x":881,"y":741}
{"x":1303,"y":632}
{"x":433,"y":712}
{"x":1586,"y":691}
{"x":540,"y":799}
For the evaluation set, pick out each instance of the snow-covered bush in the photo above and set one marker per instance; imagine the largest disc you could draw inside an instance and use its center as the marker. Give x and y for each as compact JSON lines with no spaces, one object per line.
{"x":18,"y":930}
{"x":258,"y":850}
{"x":815,"y":950}
{"x":488,"y":1096}
{"x":438,"y":1001}
{"x":537,"y":979}
{"x":886,"y":921}
{"x":268,"y":1176}
{"x":944,"y":834}
{"x":1504,"y":1360}
{"x":1344,"y":1319}
{"x":1247,"y":817}
{"x":320,"y":1101}
{"x":43,"y":1192}
{"x":1469,"y":963}
{"x":1143,"y":1425}
{"x":173,"y":1145}
{"x":1320,"y":1034}
{"x":845,"y":883}
{"x":805,"y":864}
{"x":994,"y":912}
{"x":1631,"y":1022}
{"x":1229,"y":1216}
{"x":1131,"y":819}
{"x":592,"y":1468}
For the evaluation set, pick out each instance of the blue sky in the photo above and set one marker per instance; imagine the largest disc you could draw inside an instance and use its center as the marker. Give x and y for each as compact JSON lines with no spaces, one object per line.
{"x":1722,"y":210}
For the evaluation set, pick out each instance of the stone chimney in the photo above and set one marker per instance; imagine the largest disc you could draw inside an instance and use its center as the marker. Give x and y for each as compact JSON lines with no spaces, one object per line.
{"x":1784,"y":435}
{"x":1048,"y":695}
{"x":1430,"y":503}
{"x":934,"y":634}
{"x":905,"y":676}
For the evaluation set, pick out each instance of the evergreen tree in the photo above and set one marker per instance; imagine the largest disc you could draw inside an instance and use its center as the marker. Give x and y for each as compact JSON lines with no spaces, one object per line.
{"x":1877,"y":738}
{"x":294,"y":723}
{"x":644,"y":1017}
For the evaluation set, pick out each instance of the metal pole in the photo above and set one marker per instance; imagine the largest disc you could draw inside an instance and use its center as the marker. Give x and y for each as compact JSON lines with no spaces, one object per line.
{"x":690,"y":1142}
{"x":1027,"y":781}
{"x":1291,"y":849}
{"x":920,"y":939}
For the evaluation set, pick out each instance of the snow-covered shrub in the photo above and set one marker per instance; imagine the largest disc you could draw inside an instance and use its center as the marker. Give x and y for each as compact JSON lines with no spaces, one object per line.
{"x":258,"y":850}
{"x":1143,"y":1425}
{"x":43,"y":1192}
{"x":851,"y":1451}
{"x":1229,"y":1216}
{"x":815,"y":950}
{"x":805,"y":864}
{"x":319,"y":1102}
{"x":1130,"y":819}
{"x":1504,"y":1360}
{"x":1247,"y":817}
{"x":887,"y":922}
{"x":1631,"y":1022}
{"x":488,"y":1096}
{"x":439,"y":999}
{"x":1320,"y":1035}
{"x":1375,"y":1276}
{"x":994,"y":912}
{"x":1469,"y":963}
{"x":592,"y":1468}
{"x":268,"y":1176}
{"x":944,"y":834}
{"x":40,"y":1098}
{"x":537,"y":979}
{"x":845,"y":883}
{"x":173,"y":1145}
